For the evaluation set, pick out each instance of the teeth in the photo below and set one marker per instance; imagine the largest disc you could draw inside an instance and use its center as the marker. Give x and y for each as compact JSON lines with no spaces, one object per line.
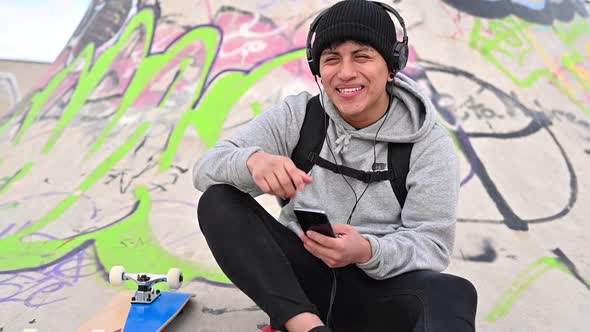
{"x":349,"y":90}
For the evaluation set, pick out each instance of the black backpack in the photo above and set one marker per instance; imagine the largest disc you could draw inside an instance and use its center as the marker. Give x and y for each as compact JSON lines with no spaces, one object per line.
{"x":311,"y":140}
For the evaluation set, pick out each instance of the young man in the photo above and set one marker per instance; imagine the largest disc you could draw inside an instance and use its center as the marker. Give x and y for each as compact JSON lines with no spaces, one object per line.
{"x":382,"y":271}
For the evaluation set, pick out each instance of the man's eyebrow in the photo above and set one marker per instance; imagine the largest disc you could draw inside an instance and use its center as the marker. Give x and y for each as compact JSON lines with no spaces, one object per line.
{"x":363,"y":49}
{"x":329,"y":51}
{"x":360,"y":49}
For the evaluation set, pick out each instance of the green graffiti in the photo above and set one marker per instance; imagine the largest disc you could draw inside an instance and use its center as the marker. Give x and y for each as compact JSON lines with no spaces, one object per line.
{"x":146,"y":253}
{"x":9,"y":181}
{"x":523,"y":282}
{"x":90,"y":180}
{"x":213,"y":108}
{"x":207,"y":118}
{"x":179,"y":74}
{"x":510,"y":39}
{"x":40,"y":98}
{"x":154,"y":64}
{"x":90,"y":78}
{"x":17,"y":255}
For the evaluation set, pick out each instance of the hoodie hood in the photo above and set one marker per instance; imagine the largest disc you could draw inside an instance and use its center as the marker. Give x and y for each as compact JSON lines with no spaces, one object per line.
{"x":410,"y":118}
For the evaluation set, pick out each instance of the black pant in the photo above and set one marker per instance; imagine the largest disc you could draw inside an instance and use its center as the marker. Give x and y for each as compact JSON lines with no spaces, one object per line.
{"x":268,"y":262}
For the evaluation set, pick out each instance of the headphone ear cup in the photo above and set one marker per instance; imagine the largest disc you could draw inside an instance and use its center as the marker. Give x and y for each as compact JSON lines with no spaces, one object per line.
{"x":400,"y":54}
{"x":403,"y":57}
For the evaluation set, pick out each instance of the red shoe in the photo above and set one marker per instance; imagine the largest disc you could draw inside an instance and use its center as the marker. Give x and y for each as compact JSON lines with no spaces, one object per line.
{"x":267,"y":328}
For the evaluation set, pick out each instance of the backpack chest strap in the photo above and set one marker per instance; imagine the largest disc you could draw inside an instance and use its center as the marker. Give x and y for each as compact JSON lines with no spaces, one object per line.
{"x":364,"y":176}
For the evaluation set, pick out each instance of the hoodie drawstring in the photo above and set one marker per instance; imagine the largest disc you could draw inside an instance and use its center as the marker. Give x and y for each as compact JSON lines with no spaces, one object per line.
{"x":342,"y":143}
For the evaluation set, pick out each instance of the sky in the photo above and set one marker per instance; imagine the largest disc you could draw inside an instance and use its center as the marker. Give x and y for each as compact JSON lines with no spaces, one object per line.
{"x":37,"y":30}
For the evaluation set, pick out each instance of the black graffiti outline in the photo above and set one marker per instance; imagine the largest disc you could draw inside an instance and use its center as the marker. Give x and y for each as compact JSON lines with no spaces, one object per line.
{"x":488,"y":255}
{"x":538,"y":122}
{"x":152,"y":161}
{"x":570,"y":266}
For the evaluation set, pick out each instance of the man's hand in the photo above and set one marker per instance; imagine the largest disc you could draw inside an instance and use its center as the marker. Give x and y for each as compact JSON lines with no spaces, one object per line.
{"x":277,"y":175}
{"x":348,"y":248}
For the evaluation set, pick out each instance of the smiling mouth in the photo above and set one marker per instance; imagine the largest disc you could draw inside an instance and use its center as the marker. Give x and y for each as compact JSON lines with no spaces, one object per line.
{"x":349,"y":91}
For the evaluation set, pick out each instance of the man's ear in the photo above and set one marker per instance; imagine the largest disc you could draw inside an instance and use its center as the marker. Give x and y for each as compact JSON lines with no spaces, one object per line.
{"x":391,"y":77}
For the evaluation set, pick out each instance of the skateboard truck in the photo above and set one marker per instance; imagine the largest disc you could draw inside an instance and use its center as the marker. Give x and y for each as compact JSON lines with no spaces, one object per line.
{"x":145,"y":293}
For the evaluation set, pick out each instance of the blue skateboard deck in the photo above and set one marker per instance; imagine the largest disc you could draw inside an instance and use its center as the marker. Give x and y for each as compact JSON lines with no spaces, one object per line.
{"x":157,"y":315}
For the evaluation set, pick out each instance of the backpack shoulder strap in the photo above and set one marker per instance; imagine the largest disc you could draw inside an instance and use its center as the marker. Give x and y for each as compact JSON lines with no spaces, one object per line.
{"x":398,"y":160}
{"x":311,"y":137}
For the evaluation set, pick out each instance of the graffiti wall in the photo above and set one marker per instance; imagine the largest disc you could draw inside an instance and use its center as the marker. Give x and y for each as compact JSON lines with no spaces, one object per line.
{"x":95,"y":164}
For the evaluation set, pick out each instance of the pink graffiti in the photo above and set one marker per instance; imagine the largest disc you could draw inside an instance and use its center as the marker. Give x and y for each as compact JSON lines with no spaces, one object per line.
{"x":250,"y":38}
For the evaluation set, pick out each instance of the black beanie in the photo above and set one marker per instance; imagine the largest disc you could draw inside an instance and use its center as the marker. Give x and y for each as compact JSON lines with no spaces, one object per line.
{"x":358,"y":20}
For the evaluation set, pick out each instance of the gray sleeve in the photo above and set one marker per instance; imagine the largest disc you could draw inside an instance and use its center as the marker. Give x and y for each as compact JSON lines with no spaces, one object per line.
{"x":425,"y":239}
{"x":275,"y":131}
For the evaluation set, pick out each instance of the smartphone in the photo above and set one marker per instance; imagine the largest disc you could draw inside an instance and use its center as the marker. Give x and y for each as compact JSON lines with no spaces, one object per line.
{"x":315,"y":220}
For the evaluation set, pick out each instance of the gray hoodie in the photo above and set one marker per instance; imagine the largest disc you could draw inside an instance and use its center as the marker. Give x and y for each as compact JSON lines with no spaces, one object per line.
{"x":419,"y":236}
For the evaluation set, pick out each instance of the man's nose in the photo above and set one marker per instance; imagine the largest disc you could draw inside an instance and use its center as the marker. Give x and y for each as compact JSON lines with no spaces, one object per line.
{"x":347,"y":70}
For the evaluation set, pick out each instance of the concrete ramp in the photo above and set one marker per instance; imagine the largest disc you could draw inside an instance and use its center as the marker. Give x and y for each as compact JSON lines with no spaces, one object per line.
{"x":95,"y":166}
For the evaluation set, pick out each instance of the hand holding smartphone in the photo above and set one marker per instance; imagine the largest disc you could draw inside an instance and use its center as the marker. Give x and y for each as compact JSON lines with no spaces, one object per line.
{"x":315,"y":220}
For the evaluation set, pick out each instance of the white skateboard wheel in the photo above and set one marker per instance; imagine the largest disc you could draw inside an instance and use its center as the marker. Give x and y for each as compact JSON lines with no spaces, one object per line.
{"x":174,"y":278}
{"x":116,"y":275}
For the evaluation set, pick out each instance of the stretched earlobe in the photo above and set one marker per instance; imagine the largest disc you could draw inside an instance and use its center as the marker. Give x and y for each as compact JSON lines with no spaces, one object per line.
{"x":391,"y":77}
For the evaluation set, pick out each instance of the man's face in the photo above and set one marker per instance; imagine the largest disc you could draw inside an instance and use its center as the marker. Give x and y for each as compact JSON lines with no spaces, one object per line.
{"x":354,"y":76}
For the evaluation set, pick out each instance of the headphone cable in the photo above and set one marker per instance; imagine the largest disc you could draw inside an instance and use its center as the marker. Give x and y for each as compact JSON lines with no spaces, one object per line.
{"x":357,"y":199}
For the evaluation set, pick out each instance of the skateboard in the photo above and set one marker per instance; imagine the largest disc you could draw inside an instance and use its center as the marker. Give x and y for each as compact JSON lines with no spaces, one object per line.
{"x":151,"y":309}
